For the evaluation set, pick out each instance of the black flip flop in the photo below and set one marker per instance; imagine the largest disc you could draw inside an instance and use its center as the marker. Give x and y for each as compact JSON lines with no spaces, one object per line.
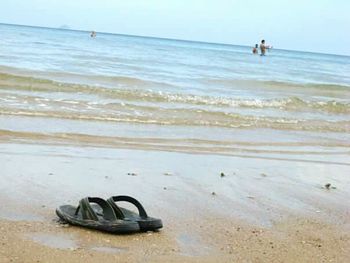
{"x":85,"y":216}
{"x":145,"y":222}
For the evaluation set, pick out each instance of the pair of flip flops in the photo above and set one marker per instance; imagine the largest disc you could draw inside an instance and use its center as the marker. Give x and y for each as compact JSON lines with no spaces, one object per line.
{"x":106,"y":215}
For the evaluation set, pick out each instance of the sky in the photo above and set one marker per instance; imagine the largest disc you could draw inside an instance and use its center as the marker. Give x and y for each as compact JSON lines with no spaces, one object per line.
{"x":308,"y":25}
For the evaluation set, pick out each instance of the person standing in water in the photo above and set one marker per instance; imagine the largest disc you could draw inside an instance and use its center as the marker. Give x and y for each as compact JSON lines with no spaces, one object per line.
{"x":263,"y":47}
{"x":255,"y":49}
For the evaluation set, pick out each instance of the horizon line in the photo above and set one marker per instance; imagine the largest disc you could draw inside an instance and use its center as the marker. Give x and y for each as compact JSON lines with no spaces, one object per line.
{"x":165,"y":38}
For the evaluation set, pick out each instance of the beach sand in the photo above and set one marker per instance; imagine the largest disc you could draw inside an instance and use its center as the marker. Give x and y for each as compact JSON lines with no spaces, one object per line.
{"x":232,"y":151}
{"x":260,"y":210}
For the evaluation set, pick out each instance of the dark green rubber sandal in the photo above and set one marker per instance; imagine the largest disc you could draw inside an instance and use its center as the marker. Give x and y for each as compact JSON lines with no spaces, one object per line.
{"x":106,"y":220}
{"x":145,"y":222}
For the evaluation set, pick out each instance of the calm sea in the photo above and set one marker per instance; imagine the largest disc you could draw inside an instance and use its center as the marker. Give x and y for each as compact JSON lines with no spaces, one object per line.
{"x":128,"y":91}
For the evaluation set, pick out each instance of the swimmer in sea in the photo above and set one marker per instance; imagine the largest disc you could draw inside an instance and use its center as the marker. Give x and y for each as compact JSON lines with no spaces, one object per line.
{"x":255,"y":49}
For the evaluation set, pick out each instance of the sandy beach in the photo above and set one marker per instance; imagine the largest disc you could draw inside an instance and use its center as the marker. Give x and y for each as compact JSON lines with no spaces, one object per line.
{"x":232,"y":151}
{"x":259,"y":211}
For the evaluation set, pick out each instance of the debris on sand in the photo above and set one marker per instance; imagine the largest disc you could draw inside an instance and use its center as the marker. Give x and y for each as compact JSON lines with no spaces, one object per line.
{"x":263,"y":175}
{"x":213,"y":193}
{"x":132,"y":174}
{"x":222,"y":175}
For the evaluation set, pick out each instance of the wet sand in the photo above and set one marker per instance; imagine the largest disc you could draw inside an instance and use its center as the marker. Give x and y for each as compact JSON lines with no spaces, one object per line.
{"x":233,"y":157}
{"x":260,"y":210}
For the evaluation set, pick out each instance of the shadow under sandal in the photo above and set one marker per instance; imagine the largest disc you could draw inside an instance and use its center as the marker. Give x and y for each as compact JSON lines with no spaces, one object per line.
{"x":85,"y":216}
{"x":145,"y":222}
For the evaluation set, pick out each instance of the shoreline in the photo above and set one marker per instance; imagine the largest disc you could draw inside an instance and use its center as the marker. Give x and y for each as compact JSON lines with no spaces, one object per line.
{"x":262,"y":210}
{"x":241,"y":163}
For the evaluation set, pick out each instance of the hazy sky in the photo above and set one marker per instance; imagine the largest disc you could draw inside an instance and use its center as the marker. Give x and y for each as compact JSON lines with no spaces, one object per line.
{"x":312,"y":25}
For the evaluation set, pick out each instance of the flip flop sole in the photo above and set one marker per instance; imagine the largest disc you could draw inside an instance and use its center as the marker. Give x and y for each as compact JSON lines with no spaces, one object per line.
{"x":150,"y":225}
{"x":67,"y":214}
{"x":146,"y":224}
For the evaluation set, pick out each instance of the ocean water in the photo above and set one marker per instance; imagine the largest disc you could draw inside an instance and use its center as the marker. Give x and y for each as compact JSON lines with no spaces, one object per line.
{"x":63,"y":86}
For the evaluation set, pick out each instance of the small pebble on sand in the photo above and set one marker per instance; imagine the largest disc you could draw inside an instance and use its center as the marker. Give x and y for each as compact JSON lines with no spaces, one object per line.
{"x":222,"y":175}
{"x":213,"y":193}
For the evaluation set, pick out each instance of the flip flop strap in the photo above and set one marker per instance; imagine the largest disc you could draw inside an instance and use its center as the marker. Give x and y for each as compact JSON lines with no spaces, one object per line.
{"x":88,"y":213}
{"x":125,"y":198}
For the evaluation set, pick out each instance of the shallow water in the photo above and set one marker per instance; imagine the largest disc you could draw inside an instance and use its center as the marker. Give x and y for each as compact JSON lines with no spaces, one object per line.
{"x":62,"y":86}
